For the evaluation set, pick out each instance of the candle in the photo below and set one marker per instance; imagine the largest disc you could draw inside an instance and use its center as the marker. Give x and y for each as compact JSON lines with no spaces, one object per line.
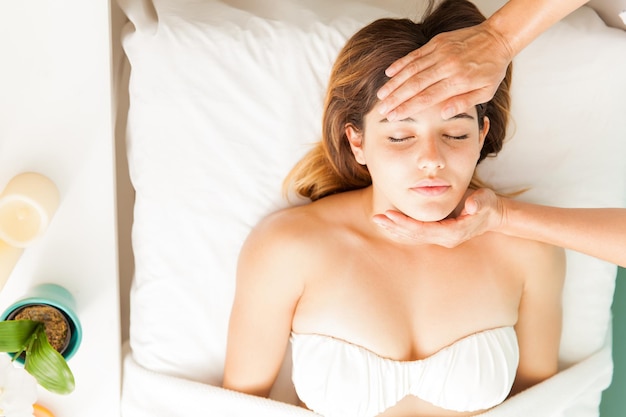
{"x":27,"y":205}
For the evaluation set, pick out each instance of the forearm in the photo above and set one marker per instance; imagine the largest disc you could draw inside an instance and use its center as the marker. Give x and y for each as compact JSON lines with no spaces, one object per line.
{"x":600,"y":233}
{"x":519,"y":22}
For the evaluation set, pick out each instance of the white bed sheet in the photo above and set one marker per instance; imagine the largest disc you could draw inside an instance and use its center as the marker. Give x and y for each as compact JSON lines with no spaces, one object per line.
{"x":225,"y":96}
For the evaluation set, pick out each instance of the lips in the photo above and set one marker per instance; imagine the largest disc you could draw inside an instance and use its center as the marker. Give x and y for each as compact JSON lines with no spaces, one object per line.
{"x":431,"y":187}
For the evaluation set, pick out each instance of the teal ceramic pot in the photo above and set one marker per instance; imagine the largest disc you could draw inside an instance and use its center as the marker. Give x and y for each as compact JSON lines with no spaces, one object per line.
{"x":56,"y":296}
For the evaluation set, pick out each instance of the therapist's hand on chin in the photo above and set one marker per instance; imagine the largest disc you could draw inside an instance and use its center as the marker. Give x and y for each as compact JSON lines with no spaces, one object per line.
{"x":483,"y":212}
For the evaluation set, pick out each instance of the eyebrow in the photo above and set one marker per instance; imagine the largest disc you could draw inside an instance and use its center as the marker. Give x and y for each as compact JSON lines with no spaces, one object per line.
{"x":412,"y":120}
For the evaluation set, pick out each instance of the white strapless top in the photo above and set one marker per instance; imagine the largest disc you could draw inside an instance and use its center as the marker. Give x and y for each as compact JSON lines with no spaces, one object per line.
{"x":336,"y":378}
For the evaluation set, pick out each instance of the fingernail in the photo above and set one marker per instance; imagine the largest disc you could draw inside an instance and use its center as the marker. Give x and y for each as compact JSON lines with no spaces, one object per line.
{"x":382,"y":109}
{"x":390,"y":72}
{"x":448,"y":112}
{"x":379,"y":222}
{"x":392,"y":116}
{"x":382,"y":93}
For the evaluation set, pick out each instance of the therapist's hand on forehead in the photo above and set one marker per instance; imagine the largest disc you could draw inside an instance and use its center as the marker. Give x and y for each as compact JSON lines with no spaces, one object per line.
{"x":463,"y":68}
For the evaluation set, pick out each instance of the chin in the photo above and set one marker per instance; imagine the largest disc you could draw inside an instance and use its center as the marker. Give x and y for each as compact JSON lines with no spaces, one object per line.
{"x":429,"y":215}
{"x":430,"y":209}
{"x":433,"y":218}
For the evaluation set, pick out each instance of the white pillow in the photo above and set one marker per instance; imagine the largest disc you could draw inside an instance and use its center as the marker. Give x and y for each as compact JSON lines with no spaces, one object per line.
{"x":226,"y":96}
{"x":569,"y":147}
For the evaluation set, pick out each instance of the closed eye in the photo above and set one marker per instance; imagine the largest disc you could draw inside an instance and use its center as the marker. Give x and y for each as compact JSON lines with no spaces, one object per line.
{"x":456,"y":137}
{"x":398,"y":140}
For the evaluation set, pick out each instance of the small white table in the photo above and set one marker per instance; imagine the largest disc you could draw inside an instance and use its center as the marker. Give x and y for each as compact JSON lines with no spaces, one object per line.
{"x":56,"y":119}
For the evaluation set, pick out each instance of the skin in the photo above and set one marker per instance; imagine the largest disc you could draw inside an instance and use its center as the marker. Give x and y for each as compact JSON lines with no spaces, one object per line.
{"x":327,"y":268}
{"x":597,"y":232}
{"x":444,"y":151}
{"x":463,"y":68}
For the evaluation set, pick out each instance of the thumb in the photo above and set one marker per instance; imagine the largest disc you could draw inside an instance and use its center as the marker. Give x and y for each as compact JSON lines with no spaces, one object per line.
{"x":472,"y":204}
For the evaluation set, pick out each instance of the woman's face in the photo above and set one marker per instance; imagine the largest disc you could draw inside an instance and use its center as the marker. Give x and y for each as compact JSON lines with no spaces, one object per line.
{"x":422,"y":165}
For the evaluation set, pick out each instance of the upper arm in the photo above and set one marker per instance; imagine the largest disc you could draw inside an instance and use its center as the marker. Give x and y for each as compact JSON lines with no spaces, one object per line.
{"x":540,"y":314}
{"x":266,"y":296}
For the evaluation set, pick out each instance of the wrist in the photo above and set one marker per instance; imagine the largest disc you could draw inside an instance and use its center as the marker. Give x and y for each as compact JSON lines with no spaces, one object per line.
{"x":519,"y":22}
{"x":507,"y":209}
{"x":518,"y":219}
{"x":501,"y":37}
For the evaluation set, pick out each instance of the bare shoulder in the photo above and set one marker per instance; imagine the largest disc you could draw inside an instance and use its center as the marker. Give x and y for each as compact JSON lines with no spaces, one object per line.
{"x":539,"y":263}
{"x":286,"y":243}
{"x":293,"y":226}
{"x":305,"y":225}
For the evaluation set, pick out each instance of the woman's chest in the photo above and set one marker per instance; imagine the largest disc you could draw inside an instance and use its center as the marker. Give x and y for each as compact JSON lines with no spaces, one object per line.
{"x":407,"y":305}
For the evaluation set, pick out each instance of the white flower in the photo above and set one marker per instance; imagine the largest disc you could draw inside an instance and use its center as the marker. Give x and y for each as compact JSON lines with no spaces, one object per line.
{"x":18,"y":389}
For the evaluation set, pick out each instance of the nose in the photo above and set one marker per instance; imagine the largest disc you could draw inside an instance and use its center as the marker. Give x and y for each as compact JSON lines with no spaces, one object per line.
{"x":430,"y":156}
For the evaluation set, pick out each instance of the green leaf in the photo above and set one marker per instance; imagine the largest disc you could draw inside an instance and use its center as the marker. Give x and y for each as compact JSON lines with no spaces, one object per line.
{"x":48,"y":366}
{"x":14,"y":334}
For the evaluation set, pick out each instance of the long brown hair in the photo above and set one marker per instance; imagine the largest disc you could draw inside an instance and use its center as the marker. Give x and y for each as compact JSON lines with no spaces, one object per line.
{"x":356,"y":76}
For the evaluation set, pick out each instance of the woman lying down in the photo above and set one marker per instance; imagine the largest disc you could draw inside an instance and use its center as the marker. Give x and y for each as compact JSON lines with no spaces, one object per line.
{"x":379,"y":327}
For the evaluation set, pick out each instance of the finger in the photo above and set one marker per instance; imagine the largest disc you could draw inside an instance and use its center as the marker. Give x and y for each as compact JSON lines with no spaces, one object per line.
{"x":462,"y":102}
{"x":383,"y":221}
{"x":433,"y":232}
{"x":406,"y":84}
{"x":418,"y":93}
{"x":395,"y":231}
{"x":444,"y":233}
{"x":399,"y":224}
{"x":472,"y":204}
{"x":401,"y":63}
{"x":401,"y":218}
{"x":411,"y":67}
{"x":407,"y":67}
{"x":407,"y":102}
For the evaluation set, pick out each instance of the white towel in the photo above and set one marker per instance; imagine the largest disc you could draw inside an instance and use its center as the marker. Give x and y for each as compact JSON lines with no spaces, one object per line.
{"x":573,"y":392}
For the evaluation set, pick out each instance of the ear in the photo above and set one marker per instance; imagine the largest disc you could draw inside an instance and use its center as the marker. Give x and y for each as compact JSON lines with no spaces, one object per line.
{"x":355,"y":138}
{"x":483,"y":133}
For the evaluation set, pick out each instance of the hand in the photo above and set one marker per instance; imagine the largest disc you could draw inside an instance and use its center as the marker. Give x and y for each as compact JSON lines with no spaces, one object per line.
{"x":483,"y":211}
{"x":461,"y":68}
